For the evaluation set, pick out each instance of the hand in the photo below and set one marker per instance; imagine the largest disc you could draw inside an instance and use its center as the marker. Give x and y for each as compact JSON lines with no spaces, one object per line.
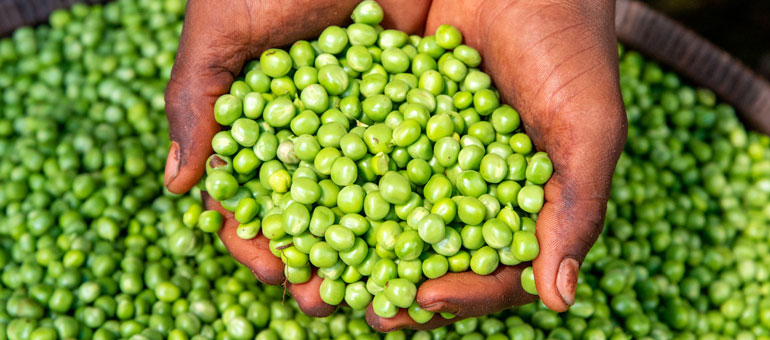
{"x":217,"y":39}
{"x":555,"y":61}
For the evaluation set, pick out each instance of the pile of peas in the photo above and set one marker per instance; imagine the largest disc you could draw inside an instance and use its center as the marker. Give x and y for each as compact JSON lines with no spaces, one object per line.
{"x":379,"y":158}
{"x":92,"y":247}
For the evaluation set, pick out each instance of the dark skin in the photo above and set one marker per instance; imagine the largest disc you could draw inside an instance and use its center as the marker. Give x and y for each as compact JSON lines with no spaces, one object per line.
{"x":555,"y":61}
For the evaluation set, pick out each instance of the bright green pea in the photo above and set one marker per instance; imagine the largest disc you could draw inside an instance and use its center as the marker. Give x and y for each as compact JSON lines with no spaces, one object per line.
{"x":333,"y":78}
{"x":421,"y":97}
{"x":459,"y":262}
{"x":362,"y":35}
{"x":350,"y":199}
{"x":505,"y":119}
{"x":396,"y":90}
{"x":332,"y":291}
{"x":520,"y":143}
{"x":375,"y":206}
{"x":539,"y":168}
{"x":378,"y":138}
{"x":339,"y":238}
{"x":485,"y":101}
{"x":531,"y":198}
{"x":493,"y":168}
{"x":315,"y":98}
{"x":448,"y":37}
{"x":528,"y":280}
{"x":471,"y":183}
{"x":431,"y":228}
{"x":484,"y":261}
{"x":367,"y":12}
{"x":359,"y":58}
{"x":377,"y":107}
{"x":356,"y":295}
{"x":467,"y":55}
{"x":497,"y":234}
{"x":356,"y":254}
{"x":253,"y":104}
{"x":333,"y":40}
{"x":210,"y":221}
{"x":517,"y":165}
{"x":322,"y":255}
{"x":418,"y":171}
{"x":227,"y":109}
{"x":525,"y":246}
{"x":383,"y":307}
{"x":439,"y":126}
{"x":394,"y":188}
{"x":321,"y":219}
{"x":305,"y":190}
{"x":344,"y":171}
{"x":476,"y":81}
{"x":392,"y":39}
{"x":384,"y":270}
{"x":296,"y":219}
{"x":435,"y":266}
{"x":275,"y":62}
{"x":410,"y":270}
{"x":245,"y":131}
{"x":408,"y":245}
{"x":454,"y":69}
{"x":400,"y":292}
{"x":446,"y":150}
{"x":470,"y":210}
{"x":221,"y":185}
{"x":279,"y":112}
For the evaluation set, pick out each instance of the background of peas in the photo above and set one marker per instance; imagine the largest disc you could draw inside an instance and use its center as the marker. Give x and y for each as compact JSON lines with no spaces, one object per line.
{"x":91,"y":244}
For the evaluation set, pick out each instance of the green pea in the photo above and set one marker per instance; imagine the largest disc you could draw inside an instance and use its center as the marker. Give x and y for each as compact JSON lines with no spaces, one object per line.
{"x":210,"y":221}
{"x":448,"y":37}
{"x":339,"y":238}
{"x":396,"y":90}
{"x":400,"y":292}
{"x":467,"y":55}
{"x":275,"y":62}
{"x":333,"y":78}
{"x":459,"y":262}
{"x":280,"y":181}
{"x":246,"y":210}
{"x":497,"y":234}
{"x":531,"y":198}
{"x":384,"y":270}
{"x":279,"y":112}
{"x":410,"y":270}
{"x":296,"y":219}
{"x":471,"y":183}
{"x":525,"y":246}
{"x":392,"y":39}
{"x":378,"y":138}
{"x":322,"y":255}
{"x":520,"y":143}
{"x":528,"y":281}
{"x":367,"y":12}
{"x":333,"y":40}
{"x":383,"y":307}
{"x":485,"y":101}
{"x":439,"y":126}
{"x":344,"y":171}
{"x":356,"y":254}
{"x":394,"y":188}
{"x":454,"y":69}
{"x":356,"y":295}
{"x":362,"y":35}
{"x":227,"y":109}
{"x":446,"y":150}
{"x":435,"y":266}
{"x":350,"y":199}
{"x":375,"y":206}
{"x":332,"y":291}
{"x":266,"y":147}
{"x":221,"y":185}
{"x":473,"y":237}
{"x":493,"y":168}
{"x":484,"y":261}
{"x":408,"y":245}
{"x":253,"y":104}
{"x":418,"y":314}
{"x":539,"y":168}
{"x":421,"y":97}
{"x":431,"y":228}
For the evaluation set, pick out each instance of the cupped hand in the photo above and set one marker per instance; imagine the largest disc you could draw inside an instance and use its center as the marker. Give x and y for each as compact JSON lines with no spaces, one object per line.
{"x":555,"y":61}
{"x":218,"y":38}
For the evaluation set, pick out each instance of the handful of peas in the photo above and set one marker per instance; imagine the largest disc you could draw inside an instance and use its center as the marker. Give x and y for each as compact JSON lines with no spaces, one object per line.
{"x":379,"y":158}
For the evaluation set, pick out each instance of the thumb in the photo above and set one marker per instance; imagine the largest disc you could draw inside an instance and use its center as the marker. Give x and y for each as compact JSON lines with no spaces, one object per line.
{"x":203,"y":70}
{"x":567,"y":226}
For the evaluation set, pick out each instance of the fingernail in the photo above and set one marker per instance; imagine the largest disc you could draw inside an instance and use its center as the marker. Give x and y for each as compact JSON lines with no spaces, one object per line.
{"x":442,"y":307}
{"x":172,"y":163}
{"x":566,"y":279}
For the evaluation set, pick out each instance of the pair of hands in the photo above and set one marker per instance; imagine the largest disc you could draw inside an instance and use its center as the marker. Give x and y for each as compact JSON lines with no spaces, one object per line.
{"x":554,"y":60}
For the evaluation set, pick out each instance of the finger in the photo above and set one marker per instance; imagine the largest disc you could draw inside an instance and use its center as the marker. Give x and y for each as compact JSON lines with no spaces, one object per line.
{"x":204,"y":68}
{"x":309,"y":299}
{"x":254,"y":253}
{"x":468,"y":294}
{"x":411,"y":21}
{"x":567,"y":227}
{"x":402,"y":320}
